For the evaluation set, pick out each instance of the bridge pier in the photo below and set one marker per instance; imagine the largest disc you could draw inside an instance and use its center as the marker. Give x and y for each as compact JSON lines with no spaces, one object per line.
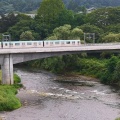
{"x":7,"y":69}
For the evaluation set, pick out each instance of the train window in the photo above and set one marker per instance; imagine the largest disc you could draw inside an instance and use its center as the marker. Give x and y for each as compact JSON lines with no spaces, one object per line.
{"x":56,"y":42}
{"x":5,"y":44}
{"x":35,"y":43}
{"x":62,"y":42}
{"x":17,"y":44}
{"x":29,"y":43}
{"x":73,"y":42}
{"x":51,"y":43}
{"x":68,"y":42}
{"x":39,"y":43}
{"x":23,"y":43}
{"x":46,"y":43}
{"x":11,"y":44}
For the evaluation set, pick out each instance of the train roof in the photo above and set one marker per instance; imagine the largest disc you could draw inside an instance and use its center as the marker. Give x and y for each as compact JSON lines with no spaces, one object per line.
{"x":38,"y":41}
{"x":61,"y":40}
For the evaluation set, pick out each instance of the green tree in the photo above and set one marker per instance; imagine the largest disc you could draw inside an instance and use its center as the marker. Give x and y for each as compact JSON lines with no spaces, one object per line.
{"x":114,"y":28}
{"x":65,"y":32}
{"x":64,"y":17}
{"x":107,"y":76}
{"x":79,"y":19}
{"x":7,"y":21}
{"x":27,"y":35}
{"x":116,"y":74}
{"x":51,"y":14}
{"x":87,"y":28}
{"x":111,"y":37}
{"x":62,"y":32}
{"x":49,"y":10}
{"x":25,"y":23}
{"x":76,"y":33}
{"x":104,"y":17}
{"x":71,"y":62}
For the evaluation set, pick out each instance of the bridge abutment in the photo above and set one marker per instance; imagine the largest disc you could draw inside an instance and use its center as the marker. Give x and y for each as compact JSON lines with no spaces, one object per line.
{"x":7,"y":69}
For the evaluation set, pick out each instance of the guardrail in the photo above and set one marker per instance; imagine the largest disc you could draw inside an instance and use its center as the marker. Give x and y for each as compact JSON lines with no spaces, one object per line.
{"x":99,"y":44}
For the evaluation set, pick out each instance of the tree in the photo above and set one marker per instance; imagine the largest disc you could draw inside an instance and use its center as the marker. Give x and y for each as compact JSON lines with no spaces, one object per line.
{"x":62,"y":32}
{"x":27,"y":35}
{"x":65,"y":32}
{"x":111,"y":37}
{"x":7,"y":21}
{"x":78,"y":19}
{"x":116,"y":74}
{"x":54,"y":37}
{"x":114,"y":28}
{"x":87,"y":28}
{"x":107,"y":76}
{"x":25,"y":23}
{"x":76,"y":33}
{"x":64,"y":17}
{"x":104,"y":17}
{"x":49,"y":10}
{"x":49,"y":16}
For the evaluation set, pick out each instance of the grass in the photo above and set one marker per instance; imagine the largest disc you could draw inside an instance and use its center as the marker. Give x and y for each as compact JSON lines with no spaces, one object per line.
{"x":8,"y":100}
{"x":117,"y":119}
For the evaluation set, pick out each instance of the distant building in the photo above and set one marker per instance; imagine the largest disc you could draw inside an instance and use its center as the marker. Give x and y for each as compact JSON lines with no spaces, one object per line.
{"x":31,"y":15}
{"x":91,"y":9}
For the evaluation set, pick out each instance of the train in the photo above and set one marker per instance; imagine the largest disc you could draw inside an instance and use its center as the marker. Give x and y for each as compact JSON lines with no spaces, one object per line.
{"x":39,"y":44}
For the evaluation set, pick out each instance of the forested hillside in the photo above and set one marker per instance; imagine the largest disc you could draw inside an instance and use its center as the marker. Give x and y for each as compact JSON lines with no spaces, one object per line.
{"x":7,"y":6}
{"x":30,"y":5}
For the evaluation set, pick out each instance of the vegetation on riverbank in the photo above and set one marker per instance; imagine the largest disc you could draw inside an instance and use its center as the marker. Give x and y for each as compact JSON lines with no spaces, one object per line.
{"x":107,"y":70}
{"x":117,"y":119}
{"x":8,"y":100}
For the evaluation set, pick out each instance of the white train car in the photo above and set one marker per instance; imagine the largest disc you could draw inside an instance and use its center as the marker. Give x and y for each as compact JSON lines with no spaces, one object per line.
{"x":22,"y":44}
{"x":61,"y":43}
{"x":39,"y":44}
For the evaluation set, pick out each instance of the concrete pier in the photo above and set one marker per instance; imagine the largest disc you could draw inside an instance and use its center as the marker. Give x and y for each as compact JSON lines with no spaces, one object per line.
{"x":7,"y":69}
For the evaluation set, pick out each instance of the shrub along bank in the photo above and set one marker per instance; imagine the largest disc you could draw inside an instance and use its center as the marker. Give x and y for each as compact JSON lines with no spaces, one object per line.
{"x":8,"y":100}
{"x":107,"y":70}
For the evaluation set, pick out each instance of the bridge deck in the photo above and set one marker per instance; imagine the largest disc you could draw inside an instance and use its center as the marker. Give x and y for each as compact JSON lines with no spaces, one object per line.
{"x":88,"y":47}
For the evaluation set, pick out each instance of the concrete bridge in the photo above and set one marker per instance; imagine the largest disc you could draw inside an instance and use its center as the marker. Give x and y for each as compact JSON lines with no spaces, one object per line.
{"x":8,"y":57}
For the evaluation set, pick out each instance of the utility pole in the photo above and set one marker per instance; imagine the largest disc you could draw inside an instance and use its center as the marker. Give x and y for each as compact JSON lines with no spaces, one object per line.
{"x":6,"y":37}
{"x":89,"y":36}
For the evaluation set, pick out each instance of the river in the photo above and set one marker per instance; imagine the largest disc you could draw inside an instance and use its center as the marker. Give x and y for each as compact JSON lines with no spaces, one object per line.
{"x":44,"y":97}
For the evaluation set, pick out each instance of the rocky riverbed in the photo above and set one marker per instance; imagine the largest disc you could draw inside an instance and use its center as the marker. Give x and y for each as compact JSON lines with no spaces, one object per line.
{"x":46,"y":96}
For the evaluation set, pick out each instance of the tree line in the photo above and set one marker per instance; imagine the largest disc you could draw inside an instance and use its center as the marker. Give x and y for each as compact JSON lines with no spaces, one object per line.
{"x":7,"y":6}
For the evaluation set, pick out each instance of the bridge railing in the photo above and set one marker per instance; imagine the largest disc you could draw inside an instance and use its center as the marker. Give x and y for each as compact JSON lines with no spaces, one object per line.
{"x":100,"y":44}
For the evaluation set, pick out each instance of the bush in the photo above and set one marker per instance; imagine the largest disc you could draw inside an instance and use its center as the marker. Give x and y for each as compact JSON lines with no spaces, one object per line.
{"x":117,"y":119}
{"x":16,"y":79}
{"x":8,"y":100}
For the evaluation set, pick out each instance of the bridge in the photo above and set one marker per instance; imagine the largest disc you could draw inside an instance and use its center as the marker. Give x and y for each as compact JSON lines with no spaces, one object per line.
{"x":8,"y":57}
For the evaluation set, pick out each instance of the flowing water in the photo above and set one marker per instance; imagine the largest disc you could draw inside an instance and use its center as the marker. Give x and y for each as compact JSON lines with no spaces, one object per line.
{"x":46,"y":96}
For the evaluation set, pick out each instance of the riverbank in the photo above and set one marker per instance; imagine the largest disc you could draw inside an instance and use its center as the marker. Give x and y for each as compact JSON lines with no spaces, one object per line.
{"x":8,"y":99}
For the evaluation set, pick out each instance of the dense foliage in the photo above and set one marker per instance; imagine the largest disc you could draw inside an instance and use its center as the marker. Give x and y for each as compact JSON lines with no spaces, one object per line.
{"x":8,"y":100}
{"x":7,"y":6}
{"x":107,"y":70}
